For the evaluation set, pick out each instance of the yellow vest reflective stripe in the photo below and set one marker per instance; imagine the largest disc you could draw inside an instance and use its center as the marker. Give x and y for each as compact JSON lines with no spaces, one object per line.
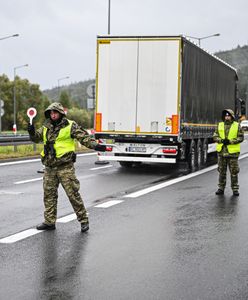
{"x":233,"y":133}
{"x":63,"y":143}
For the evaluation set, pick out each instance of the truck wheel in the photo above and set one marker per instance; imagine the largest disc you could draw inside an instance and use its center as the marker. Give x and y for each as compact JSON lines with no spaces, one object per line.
{"x":199,"y":154}
{"x":126,"y":164}
{"x":192,"y":156}
{"x":204,"y":151}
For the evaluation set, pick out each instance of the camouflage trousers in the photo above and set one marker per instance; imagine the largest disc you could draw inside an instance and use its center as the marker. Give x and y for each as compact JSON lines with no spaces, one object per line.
{"x":232,"y":163}
{"x":51,"y":180}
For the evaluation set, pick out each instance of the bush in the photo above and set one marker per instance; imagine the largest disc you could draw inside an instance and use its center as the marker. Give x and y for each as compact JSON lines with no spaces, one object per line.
{"x":81,"y":117}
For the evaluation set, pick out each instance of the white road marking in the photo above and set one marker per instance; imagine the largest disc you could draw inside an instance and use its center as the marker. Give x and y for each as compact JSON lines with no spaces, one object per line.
{"x":104,"y":167}
{"x":109,"y":203}
{"x":19,"y":236}
{"x":87,"y":154}
{"x":30,"y":232}
{"x":29,"y":180}
{"x":37,"y":160}
{"x":168,"y":183}
{"x":67,"y":219}
{"x":173,"y":181}
{"x":243,"y":156}
{"x":19,"y":162}
{"x":10,"y":193}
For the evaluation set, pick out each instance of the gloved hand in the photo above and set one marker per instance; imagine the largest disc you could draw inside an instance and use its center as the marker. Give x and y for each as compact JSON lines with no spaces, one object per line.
{"x":31,"y":129}
{"x":100,"y":147}
{"x":225,"y":142}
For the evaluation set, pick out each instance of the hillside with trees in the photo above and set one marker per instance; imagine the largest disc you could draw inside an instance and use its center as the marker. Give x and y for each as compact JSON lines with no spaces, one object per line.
{"x":29,"y":95}
{"x":76,"y":92}
{"x":238,"y":58}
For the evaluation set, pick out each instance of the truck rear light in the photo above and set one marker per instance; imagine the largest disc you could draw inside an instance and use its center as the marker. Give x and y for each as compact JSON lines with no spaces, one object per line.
{"x":109,"y":149}
{"x":169,"y":151}
{"x":98,"y":122}
{"x":174,"y":124}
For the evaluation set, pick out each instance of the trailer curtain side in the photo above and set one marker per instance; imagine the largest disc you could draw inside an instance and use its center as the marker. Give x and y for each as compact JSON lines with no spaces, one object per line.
{"x":208,"y":86}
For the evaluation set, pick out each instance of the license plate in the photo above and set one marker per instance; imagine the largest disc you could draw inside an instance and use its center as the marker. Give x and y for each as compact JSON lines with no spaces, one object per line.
{"x":137,"y":149}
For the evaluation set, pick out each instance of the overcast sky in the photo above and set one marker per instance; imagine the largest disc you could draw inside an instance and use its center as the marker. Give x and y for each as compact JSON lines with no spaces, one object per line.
{"x":58,"y":37}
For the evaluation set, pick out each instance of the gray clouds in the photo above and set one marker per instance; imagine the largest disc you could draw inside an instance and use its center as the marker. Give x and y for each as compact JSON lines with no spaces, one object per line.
{"x":58,"y":37}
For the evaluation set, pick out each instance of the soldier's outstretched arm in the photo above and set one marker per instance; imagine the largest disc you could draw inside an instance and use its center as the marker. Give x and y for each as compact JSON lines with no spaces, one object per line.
{"x":82,"y":136}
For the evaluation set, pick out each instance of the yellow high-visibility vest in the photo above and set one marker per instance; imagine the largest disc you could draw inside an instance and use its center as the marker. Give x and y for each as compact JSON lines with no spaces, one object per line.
{"x":63,"y":143}
{"x":233,"y":133}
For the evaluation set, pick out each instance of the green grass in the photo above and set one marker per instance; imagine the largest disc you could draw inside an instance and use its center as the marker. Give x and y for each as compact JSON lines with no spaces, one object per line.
{"x":21,"y":151}
{"x":8,"y":152}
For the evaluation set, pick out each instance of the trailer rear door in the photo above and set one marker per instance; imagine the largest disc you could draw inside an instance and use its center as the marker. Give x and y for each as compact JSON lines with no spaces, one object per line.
{"x":158,"y":86}
{"x":116,"y":85}
{"x":138,"y":85}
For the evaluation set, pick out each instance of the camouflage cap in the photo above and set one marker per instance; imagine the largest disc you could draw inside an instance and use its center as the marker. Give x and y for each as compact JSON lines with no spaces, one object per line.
{"x":54,"y":106}
{"x":229,"y":112}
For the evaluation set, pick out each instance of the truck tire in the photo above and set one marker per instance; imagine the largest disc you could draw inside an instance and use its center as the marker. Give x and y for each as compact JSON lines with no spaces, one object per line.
{"x":192,"y":156}
{"x":204,"y":152}
{"x":126,"y":164}
{"x":199,"y":154}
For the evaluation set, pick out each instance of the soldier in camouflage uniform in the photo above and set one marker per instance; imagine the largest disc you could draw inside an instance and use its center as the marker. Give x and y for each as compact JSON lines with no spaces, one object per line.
{"x":228,"y":137}
{"x":58,"y":135}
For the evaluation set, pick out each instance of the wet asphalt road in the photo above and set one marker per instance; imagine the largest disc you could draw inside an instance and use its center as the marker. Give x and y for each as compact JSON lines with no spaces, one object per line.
{"x":23,"y":200}
{"x":179,"y":242}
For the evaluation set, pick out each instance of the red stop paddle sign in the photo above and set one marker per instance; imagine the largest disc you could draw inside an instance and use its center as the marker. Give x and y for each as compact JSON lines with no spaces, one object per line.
{"x":31,"y":112}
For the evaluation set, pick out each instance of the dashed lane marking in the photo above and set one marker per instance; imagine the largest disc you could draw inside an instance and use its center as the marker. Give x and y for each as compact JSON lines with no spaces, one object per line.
{"x":19,"y":236}
{"x":30,"y":232}
{"x":67,"y":219}
{"x":87,"y":154}
{"x":104,"y":167}
{"x":19,"y":162}
{"x":40,"y":178}
{"x":108,"y":203}
{"x":37,"y":160}
{"x":10,"y":193}
{"x":29,"y":180}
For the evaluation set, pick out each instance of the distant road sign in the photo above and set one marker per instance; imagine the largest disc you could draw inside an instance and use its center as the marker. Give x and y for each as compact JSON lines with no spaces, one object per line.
{"x":91,"y":90}
{"x":90,"y":103}
{"x":1,"y":107}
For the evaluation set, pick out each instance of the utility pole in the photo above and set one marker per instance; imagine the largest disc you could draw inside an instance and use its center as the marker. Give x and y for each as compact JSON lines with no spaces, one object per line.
{"x":109,"y":4}
{"x":62,"y":78}
{"x":1,"y":104}
{"x":246,"y":103}
{"x":14,"y":100}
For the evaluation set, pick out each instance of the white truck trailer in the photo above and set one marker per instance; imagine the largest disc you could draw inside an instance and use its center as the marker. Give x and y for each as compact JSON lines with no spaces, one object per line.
{"x":158,"y":99}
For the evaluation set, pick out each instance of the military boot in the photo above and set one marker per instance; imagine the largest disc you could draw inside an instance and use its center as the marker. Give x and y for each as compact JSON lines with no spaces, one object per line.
{"x":85,"y":226}
{"x":219,"y":192}
{"x":235,"y":193}
{"x":44,"y":226}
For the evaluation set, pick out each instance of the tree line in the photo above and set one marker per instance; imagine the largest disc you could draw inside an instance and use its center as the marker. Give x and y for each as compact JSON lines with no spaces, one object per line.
{"x":30,"y":95}
{"x":238,"y":58}
{"x":74,"y":96}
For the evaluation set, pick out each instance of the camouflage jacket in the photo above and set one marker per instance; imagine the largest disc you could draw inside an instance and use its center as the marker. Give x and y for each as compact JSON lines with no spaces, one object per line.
{"x":53,"y":131}
{"x":239,"y":139}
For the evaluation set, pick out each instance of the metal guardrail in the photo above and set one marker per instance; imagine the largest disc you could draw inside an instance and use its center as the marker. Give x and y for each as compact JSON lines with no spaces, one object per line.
{"x":12,"y":140}
{"x":16,"y":140}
